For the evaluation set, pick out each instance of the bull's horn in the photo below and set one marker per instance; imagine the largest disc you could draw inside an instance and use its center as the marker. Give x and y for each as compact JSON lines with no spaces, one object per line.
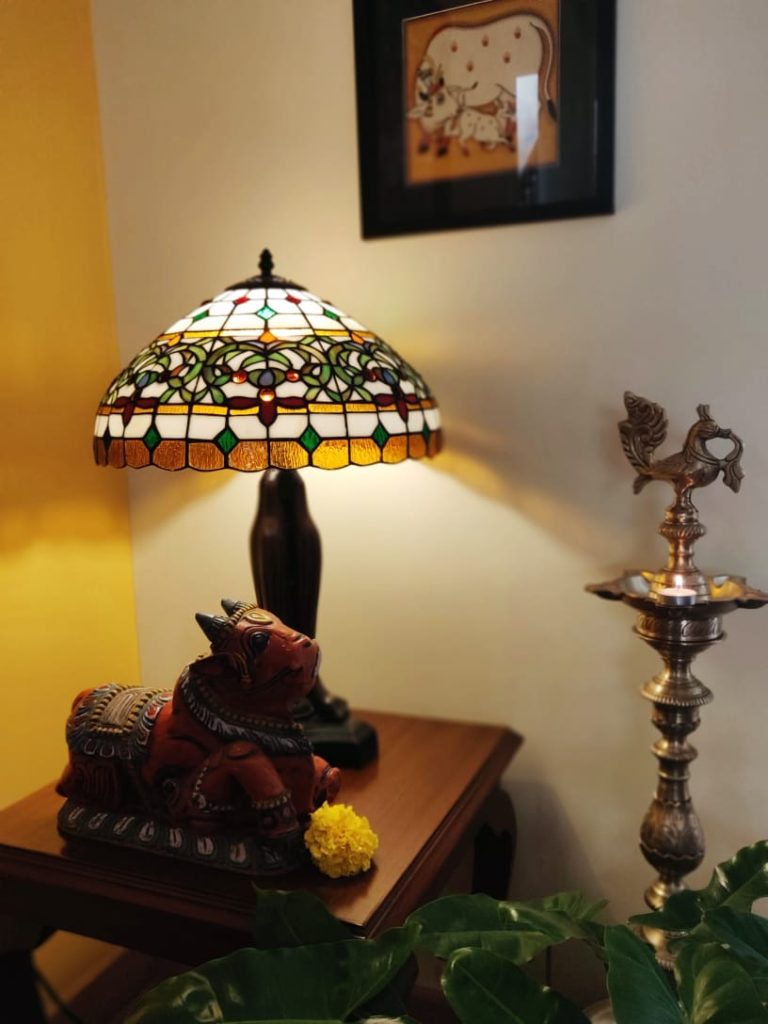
{"x":214,"y":627}
{"x":230,"y":606}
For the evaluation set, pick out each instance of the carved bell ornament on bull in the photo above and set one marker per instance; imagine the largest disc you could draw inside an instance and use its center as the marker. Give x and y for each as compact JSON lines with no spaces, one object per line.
{"x":680,"y":614}
{"x":268,"y":376}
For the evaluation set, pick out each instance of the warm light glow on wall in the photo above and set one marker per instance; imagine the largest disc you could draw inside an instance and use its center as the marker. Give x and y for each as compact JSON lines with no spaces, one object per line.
{"x":67,"y":603}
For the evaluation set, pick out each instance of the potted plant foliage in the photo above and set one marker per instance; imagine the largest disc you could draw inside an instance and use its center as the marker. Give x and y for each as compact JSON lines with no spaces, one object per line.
{"x":306,"y":967}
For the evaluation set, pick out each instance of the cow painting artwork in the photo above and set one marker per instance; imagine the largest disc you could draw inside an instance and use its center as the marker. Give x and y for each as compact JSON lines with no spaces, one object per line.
{"x":481,"y":89}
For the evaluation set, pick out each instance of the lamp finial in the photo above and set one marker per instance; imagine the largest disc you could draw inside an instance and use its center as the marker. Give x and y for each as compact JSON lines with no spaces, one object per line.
{"x":266,"y":263}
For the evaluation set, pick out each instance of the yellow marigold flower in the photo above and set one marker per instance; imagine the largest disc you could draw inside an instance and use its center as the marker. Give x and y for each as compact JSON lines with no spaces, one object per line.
{"x":340,"y":842}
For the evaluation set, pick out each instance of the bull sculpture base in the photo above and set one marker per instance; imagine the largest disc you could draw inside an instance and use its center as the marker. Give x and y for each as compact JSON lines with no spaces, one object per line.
{"x":235,"y":852}
{"x":215,"y":771}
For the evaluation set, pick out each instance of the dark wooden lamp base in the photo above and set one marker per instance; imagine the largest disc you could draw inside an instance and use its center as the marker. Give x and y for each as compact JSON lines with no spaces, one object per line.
{"x":286,"y":561}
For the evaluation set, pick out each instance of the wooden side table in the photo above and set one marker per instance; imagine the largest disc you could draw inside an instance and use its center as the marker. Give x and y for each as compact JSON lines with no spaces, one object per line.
{"x":426,"y":796}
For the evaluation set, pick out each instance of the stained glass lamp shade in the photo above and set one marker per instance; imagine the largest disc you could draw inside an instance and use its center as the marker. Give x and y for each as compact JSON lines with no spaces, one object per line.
{"x":264,"y":376}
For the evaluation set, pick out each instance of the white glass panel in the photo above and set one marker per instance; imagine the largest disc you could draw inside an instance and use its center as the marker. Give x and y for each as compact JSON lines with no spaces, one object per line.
{"x":238,"y":322}
{"x":432,"y":416}
{"x":282,"y":305}
{"x":362,"y":424}
{"x":329,"y":424}
{"x":248,"y":428}
{"x":233,"y":390}
{"x":290,"y":389}
{"x":208,"y":323}
{"x":415,"y":421}
{"x":288,"y":426}
{"x":180,"y":325}
{"x":171,"y":426}
{"x":220,"y":308}
{"x":257,"y":294}
{"x":353,"y":325}
{"x":287,"y":321}
{"x":311,"y":306}
{"x":277,"y":294}
{"x":391,"y":421}
{"x":291,"y":334}
{"x":116,"y":425}
{"x":247,"y":307}
{"x":137,"y":426}
{"x":155,"y":390}
{"x":377,"y":387}
{"x":100,"y":425}
{"x":324,"y":323}
{"x":205,"y":428}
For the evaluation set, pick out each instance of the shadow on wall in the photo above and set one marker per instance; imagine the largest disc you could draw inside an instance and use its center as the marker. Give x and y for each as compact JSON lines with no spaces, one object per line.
{"x":561,"y":864}
{"x":517,"y":436}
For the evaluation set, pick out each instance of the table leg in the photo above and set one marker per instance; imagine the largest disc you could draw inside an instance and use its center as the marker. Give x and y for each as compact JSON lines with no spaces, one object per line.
{"x":494,"y":850}
{"x":18,"y":984}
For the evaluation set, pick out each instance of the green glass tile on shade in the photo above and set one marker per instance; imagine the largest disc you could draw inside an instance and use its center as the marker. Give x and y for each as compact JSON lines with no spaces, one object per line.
{"x":380,"y":436}
{"x":310,"y":439}
{"x":226,"y":440}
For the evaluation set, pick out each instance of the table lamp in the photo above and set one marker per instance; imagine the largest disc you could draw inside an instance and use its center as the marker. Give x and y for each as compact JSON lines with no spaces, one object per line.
{"x":267,"y":376}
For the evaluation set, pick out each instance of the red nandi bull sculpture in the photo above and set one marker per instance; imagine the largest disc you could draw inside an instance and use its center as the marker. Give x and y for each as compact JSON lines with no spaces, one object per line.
{"x":214,"y":771}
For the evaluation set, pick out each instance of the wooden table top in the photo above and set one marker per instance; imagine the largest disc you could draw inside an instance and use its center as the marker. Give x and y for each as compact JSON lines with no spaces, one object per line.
{"x":422,"y":795}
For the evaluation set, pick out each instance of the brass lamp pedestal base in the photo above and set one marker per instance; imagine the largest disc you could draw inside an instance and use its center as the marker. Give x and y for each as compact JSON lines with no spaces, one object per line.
{"x":680,"y":614}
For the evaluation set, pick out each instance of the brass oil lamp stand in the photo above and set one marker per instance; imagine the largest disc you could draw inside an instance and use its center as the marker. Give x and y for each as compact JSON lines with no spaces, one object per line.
{"x":680,"y":614}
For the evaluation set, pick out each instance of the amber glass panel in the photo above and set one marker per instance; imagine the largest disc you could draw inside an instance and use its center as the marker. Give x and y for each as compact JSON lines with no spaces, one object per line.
{"x":249,"y":456}
{"x":205,"y":455}
{"x":136,"y":454}
{"x":332,"y":454}
{"x":364,"y":451}
{"x":117,"y":454}
{"x":288,"y":455}
{"x":417,"y":447}
{"x":170,"y":455}
{"x":396,"y":449}
{"x":100,"y":452}
{"x":435,"y":443}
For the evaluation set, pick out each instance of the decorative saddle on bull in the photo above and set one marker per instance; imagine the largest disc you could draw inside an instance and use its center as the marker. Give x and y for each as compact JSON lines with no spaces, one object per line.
{"x":215,"y":770}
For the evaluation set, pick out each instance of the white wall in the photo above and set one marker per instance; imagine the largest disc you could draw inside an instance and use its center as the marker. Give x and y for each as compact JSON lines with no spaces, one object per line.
{"x":455,"y":589}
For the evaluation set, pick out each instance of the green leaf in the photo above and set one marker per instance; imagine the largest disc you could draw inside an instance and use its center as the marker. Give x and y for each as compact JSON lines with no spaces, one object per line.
{"x":639,"y":989}
{"x":294,"y":919}
{"x":745,"y":936}
{"x":484,"y":988}
{"x":516,"y":931}
{"x":735,"y":883}
{"x":715,"y":988}
{"x":574,"y":904}
{"x":321,"y":982}
{"x":681,"y":913}
{"x":738,"y":882}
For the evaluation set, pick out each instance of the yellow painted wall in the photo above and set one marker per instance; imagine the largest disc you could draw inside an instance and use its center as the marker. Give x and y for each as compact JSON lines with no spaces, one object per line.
{"x":66,"y":590}
{"x":67,"y":615}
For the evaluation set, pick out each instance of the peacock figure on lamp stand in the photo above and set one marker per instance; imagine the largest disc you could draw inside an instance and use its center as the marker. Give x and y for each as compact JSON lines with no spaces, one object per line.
{"x":680,"y":614}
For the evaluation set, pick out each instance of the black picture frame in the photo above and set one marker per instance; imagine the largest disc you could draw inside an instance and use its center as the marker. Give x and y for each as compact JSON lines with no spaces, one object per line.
{"x":579,"y":183}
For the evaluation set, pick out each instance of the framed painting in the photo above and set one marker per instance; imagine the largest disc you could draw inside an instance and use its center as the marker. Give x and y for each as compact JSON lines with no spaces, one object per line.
{"x":483,"y":113}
